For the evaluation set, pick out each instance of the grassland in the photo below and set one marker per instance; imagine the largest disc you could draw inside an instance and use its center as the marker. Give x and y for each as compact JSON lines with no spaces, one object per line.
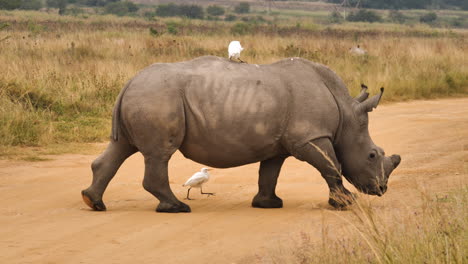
{"x":61,"y":75}
{"x":433,"y":232}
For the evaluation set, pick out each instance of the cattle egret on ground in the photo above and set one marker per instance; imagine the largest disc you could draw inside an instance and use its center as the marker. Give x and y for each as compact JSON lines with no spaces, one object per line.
{"x":357,"y":50}
{"x":197,"y":180}
{"x":234,"y":50}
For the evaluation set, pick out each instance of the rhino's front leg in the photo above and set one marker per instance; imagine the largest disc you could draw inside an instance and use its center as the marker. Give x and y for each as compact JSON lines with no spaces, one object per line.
{"x":268,"y":177}
{"x":156,"y":182}
{"x":320,"y":154}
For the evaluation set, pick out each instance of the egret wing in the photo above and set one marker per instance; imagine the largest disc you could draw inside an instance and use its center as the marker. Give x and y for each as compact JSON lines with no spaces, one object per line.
{"x":196,"y":179}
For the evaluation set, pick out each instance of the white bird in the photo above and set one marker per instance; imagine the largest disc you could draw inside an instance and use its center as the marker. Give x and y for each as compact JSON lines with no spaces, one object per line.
{"x":358,"y":50}
{"x":234,"y":50}
{"x":197,"y":180}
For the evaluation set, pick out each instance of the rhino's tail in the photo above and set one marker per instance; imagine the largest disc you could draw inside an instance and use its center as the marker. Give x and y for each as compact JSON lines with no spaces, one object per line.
{"x":116,"y":113}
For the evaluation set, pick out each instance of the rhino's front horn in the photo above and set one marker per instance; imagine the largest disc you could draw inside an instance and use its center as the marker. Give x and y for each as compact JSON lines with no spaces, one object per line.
{"x":396,"y":159}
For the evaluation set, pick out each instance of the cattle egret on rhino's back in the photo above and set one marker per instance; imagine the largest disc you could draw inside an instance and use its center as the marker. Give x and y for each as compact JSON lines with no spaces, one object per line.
{"x":197,"y":180}
{"x":234,"y":50}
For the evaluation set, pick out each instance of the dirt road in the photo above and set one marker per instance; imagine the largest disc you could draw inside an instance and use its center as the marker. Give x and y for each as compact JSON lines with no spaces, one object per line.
{"x":43,"y":219}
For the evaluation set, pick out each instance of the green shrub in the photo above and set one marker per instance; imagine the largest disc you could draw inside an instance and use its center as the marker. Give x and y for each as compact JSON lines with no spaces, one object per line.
{"x":336,"y":17}
{"x":190,"y":11}
{"x":242,"y":8}
{"x":428,"y":18}
{"x":9,"y":4}
{"x":31,"y":4}
{"x":230,"y":17}
{"x":241,"y":29}
{"x":396,"y":16}
{"x":364,"y":15}
{"x":215,"y":10}
{"x":172,"y":27}
{"x":167,"y":10}
{"x":120,"y":8}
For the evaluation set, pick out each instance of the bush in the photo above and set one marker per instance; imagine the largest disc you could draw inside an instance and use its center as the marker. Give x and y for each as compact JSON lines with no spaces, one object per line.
{"x":172,"y":27}
{"x":364,"y":15}
{"x":242,"y":8}
{"x":190,"y":11}
{"x":167,"y":10}
{"x":9,"y":4}
{"x":31,"y":4}
{"x":120,"y":8}
{"x":396,"y":16}
{"x":74,"y":11}
{"x":336,"y":17}
{"x":230,"y":17}
{"x":428,"y":18}
{"x":241,"y":29}
{"x":215,"y":10}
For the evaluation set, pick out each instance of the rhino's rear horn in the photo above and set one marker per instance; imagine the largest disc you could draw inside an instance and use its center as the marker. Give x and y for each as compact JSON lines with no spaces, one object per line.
{"x":369,"y":104}
{"x":363,"y":95}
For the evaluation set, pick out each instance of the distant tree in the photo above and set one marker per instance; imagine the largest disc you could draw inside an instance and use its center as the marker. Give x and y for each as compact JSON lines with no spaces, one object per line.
{"x":10,"y":4}
{"x":215,"y":10}
{"x":60,"y":4}
{"x":167,"y":10}
{"x":230,"y":17}
{"x":120,"y":8}
{"x":31,"y":4}
{"x":388,"y":4}
{"x":242,"y":8}
{"x":428,"y":18}
{"x":364,"y":15}
{"x":191,"y":11}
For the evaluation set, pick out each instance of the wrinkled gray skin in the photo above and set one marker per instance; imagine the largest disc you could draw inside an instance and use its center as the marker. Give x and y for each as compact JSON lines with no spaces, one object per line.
{"x":225,"y":114}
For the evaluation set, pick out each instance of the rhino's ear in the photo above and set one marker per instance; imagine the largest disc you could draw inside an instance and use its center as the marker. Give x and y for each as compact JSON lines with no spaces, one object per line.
{"x":363,"y":95}
{"x":369,"y":104}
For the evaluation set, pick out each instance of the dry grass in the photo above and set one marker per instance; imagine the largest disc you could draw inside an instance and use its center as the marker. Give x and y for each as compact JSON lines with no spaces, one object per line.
{"x":61,"y":75}
{"x":434,"y":232}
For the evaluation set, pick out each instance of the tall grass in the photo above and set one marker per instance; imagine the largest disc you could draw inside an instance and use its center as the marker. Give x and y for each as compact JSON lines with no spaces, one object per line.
{"x":60,"y":76}
{"x":434,"y":232}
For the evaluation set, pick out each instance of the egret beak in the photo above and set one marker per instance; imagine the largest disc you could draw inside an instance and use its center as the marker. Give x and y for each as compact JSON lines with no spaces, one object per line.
{"x":209,"y":169}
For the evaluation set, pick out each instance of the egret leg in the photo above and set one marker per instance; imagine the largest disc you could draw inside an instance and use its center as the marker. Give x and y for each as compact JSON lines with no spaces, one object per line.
{"x":188,"y":192}
{"x":201,"y":191}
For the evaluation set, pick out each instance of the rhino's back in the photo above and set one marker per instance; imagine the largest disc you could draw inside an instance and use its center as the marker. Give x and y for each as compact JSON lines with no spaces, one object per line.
{"x":235,"y":113}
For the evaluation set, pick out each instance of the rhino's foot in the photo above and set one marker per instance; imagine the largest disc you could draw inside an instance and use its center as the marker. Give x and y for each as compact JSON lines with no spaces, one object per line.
{"x":267,"y":202}
{"x":341,"y":200}
{"x":180,"y":207}
{"x":97,"y":205}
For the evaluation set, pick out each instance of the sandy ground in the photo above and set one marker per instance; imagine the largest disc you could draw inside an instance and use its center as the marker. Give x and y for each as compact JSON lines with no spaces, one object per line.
{"x":43,"y":219}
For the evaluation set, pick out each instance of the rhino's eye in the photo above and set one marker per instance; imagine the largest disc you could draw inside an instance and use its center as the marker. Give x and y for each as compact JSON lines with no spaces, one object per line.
{"x":372,"y":155}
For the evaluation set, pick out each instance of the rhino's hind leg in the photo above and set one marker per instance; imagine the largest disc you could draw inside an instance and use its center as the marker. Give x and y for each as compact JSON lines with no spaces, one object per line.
{"x":104,"y":169}
{"x":320,"y":154}
{"x":268,"y":177}
{"x":156,"y":182}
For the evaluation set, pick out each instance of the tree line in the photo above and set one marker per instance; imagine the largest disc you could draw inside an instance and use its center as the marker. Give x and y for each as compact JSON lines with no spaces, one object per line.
{"x":405,"y":4}
{"x":125,"y":7}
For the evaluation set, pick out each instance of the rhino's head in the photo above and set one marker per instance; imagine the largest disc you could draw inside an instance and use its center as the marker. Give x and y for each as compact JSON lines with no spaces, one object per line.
{"x":363,"y":163}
